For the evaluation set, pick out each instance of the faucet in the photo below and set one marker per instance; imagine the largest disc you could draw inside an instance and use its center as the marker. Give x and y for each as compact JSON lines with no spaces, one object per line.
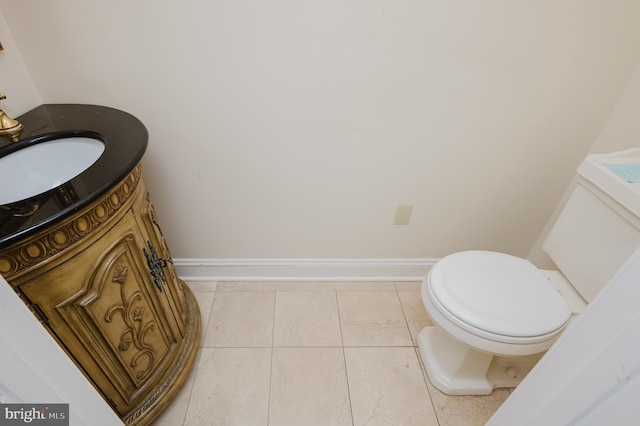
{"x":8,"y":126}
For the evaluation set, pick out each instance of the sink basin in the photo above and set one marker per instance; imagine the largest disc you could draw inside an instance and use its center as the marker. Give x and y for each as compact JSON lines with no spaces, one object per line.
{"x":42,"y":166}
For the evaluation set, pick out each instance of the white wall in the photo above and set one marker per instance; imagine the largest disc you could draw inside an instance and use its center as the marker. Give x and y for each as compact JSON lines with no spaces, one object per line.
{"x":621,"y":131}
{"x":15,"y":80}
{"x":290,"y":129}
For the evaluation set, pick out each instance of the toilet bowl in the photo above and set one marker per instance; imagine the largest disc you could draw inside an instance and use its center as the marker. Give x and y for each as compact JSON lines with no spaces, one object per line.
{"x":495,"y":315}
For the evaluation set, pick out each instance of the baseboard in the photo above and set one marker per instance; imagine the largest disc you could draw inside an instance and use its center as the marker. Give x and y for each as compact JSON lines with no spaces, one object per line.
{"x":303,"y":269}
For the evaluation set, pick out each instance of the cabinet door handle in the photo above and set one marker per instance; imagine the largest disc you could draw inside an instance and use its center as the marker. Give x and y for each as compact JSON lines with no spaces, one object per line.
{"x":155,"y":266}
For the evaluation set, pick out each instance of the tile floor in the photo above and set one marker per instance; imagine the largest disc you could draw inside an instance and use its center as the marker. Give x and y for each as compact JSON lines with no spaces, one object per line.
{"x":315,"y":353}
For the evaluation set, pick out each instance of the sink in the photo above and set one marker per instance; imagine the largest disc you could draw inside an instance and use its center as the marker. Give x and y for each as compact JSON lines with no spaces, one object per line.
{"x":41,"y":166}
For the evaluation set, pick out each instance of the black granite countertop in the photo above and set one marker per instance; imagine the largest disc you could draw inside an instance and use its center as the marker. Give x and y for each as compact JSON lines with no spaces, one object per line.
{"x":125,"y":139}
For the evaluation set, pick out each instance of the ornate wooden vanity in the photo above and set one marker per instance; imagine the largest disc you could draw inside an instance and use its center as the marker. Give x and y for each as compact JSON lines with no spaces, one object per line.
{"x":98,"y":273}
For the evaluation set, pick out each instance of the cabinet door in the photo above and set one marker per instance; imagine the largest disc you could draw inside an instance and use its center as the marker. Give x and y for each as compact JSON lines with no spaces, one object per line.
{"x":169,"y":281}
{"x":104,"y":309}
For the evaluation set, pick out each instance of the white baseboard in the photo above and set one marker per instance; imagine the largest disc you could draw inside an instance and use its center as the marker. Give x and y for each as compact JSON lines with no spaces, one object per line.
{"x":303,"y":269}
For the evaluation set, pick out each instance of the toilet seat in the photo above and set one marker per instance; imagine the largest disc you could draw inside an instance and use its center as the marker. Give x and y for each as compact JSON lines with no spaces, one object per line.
{"x":497,"y":296}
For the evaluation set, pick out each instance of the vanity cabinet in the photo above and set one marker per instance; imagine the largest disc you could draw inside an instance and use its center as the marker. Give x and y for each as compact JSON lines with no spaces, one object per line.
{"x":103,"y":283}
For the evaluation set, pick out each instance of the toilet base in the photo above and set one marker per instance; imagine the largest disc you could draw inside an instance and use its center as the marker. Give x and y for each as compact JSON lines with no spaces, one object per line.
{"x":456,"y":369}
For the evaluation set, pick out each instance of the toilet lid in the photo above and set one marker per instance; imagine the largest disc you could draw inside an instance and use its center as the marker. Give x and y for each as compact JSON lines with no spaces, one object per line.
{"x":498,"y":293}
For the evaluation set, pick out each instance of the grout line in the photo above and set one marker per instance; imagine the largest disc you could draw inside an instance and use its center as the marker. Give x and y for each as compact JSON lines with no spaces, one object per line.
{"x":273,"y":334}
{"x":339,"y":318}
{"x":423,"y":370}
{"x":406,"y":321}
{"x":205,"y":327}
{"x":404,"y":315}
{"x":344,"y":359}
{"x":193,"y":382}
{"x":414,"y":342}
{"x":346,"y":373}
{"x":196,"y":367}
{"x":440,"y":416}
{"x":419,"y":358}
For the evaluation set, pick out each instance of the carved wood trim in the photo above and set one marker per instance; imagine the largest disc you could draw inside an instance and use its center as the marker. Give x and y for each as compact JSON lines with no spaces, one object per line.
{"x":183,"y":361}
{"x":33,"y":251}
{"x":135,"y":329}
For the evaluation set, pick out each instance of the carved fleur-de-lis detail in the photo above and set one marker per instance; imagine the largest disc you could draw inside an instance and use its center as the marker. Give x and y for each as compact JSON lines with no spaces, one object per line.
{"x":119,"y":274}
{"x":133,"y":317}
{"x":125,"y":342}
{"x":137,"y":313}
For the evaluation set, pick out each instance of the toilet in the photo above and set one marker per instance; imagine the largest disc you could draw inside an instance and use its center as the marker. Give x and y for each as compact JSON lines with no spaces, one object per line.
{"x":494,"y":315}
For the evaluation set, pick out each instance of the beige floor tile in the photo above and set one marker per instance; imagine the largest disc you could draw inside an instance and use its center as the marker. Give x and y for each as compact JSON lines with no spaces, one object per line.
{"x":365,"y":286}
{"x":466,"y":410}
{"x":372,"y":318}
{"x":306,"y":286}
{"x":387,"y":387}
{"x":205,"y":303}
{"x":175,"y":413}
{"x":236,"y":383}
{"x":241,"y":319}
{"x":231,"y":388}
{"x":408,"y":285}
{"x":202,"y":285}
{"x":309,"y":387}
{"x":306,"y":319}
{"x":246,"y":286}
{"x":414,"y":312}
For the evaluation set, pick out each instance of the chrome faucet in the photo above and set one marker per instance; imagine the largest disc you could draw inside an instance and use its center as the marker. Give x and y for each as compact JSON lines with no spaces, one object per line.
{"x":8,"y":126}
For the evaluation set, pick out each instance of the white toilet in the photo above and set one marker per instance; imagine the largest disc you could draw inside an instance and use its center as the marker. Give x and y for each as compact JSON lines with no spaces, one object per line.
{"x":495,"y":315}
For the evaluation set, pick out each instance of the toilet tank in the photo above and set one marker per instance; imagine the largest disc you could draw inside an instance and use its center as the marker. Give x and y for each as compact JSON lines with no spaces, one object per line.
{"x":599,"y":228}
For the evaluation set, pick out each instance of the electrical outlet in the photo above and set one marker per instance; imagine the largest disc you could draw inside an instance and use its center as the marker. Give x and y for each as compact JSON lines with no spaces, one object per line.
{"x":403,"y":214}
